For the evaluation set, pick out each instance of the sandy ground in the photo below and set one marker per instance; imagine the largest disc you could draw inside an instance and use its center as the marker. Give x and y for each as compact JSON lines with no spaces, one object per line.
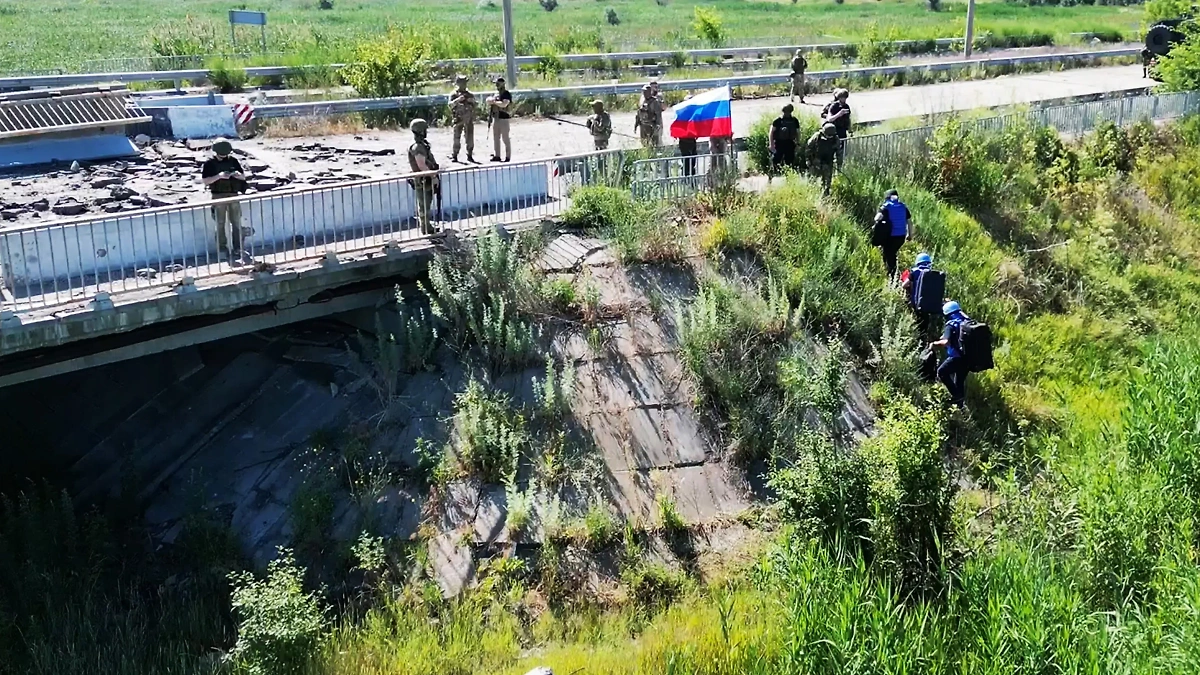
{"x":168,"y":172}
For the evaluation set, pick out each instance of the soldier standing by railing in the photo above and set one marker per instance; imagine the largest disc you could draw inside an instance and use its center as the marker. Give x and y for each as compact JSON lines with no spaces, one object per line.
{"x":462,"y":112}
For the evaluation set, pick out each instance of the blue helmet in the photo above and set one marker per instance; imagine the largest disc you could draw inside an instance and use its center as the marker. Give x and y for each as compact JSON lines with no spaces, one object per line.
{"x":924,"y":259}
{"x":950,"y":308}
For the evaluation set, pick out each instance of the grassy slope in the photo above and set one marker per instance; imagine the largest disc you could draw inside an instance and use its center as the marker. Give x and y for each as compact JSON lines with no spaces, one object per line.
{"x":63,"y":33}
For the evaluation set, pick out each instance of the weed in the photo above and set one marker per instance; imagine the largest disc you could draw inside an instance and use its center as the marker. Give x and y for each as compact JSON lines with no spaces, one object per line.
{"x":709,"y":26}
{"x":669,"y":518}
{"x":519,"y":508}
{"x":388,"y":66}
{"x":552,"y":394}
{"x":490,"y":435}
{"x":600,"y":528}
{"x":227,"y":78}
{"x":280,"y":624}
{"x":610,"y":15}
{"x":419,"y":337}
{"x":598,"y":207}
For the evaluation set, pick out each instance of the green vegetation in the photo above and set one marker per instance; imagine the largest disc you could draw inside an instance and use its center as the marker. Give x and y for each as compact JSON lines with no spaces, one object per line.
{"x":1051,"y":528}
{"x":64,"y":33}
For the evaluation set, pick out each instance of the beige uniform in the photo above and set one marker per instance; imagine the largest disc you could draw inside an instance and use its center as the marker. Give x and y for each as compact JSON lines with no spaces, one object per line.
{"x":799,"y":65}
{"x":600,"y":124}
{"x":462,"y":113}
{"x":424,"y":186}
{"x":649,"y":121}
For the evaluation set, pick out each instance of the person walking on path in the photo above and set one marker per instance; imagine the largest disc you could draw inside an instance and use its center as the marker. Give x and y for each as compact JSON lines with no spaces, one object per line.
{"x":462,"y":113}
{"x":224,"y":177}
{"x":500,"y":115}
{"x":420,"y":158}
{"x":954,"y":368}
{"x":822,"y":150}
{"x":894,"y":221}
{"x":600,"y":125}
{"x":799,"y":65}
{"x":837,"y":112}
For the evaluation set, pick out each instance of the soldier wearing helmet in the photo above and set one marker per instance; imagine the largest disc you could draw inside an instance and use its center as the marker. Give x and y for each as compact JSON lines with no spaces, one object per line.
{"x":600,"y":125}
{"x":822,"y":151}
{"x":837,"y":112}
{"x":462,"y":114}
{"x":648,"y":121}
{"x":420,"y":159}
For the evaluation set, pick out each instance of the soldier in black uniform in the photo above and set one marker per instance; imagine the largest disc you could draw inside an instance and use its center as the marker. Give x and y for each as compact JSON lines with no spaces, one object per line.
{"x":781,"y":141}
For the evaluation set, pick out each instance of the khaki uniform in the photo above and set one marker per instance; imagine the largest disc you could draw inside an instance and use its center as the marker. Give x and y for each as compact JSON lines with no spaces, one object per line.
{"x":462,"y":113}
{"x":799,"y":65}
{"x":649,"y":121}
{"x":424,"y":186}
{"x":229,"y":224}
{"x":823,"y":152}
{"x":600,"y":124}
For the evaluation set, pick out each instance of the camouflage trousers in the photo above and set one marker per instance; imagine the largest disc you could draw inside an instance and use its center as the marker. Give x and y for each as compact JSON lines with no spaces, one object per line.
{"x":652,"y":137}
{"x":463,"y":129}
{"x":798,"y":85}
{"x":824,"y":170}
{"x":600,"y":143}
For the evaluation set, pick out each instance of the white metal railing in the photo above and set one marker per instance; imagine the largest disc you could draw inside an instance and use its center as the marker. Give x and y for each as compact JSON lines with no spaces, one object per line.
{"x":74,"y":260}
{"x":680,"y":176}
{"x":1073,"y":119}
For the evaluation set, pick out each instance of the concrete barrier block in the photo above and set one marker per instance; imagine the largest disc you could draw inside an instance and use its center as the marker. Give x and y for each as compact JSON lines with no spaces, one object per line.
{"x":209,"y":121}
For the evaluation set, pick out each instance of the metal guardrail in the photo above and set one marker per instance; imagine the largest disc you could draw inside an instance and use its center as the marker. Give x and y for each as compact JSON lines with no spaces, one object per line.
{"x":899,"y":147}
{"x":93,"y":258}
{"x":317,"y":108}
{"x":81,"y":259}
{"x":678,"y":176}
{"x":52,"y":81}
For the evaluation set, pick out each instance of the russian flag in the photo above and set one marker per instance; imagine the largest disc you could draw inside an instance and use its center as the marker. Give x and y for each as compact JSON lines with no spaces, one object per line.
{"x":704,"y":115}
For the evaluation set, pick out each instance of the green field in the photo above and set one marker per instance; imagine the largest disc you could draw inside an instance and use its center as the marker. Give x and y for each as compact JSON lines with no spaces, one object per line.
{"x":51,"y":34}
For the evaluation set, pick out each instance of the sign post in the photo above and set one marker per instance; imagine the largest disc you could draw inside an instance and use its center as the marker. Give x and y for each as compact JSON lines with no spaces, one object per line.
{"x":247,"y":18}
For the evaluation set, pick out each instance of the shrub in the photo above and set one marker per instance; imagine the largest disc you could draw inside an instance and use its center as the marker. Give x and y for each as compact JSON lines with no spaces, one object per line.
{"x":825,"y":490}
{"x":489,"y":434}
{"x":600,"y":528}
{"x":280,"y":625}
{"x":325,"y":4}
{"x":1179,"y":70}
{"x":652,"y":234}
{"x":518,"y":507}
{"x":548,"y":5}
{"x":390,"y":65}
{"x":669,"y":518}
{"x":708,"y":26}
{"x":226,"y":77}
{"x":963,"y":172}
{"x":597,"y":207}
{"x":911,"y":495}
{"x":610,"y":15}
{"x":736,"y":232}
{"x":875,"y":49}
{"x":548,"y":64}
{"x":1108,"y":147}
{"x":190,"y":38}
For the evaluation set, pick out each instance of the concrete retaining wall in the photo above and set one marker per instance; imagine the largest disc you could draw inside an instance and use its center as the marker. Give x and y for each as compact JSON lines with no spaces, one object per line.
{"x":45,"y":150}
{"x":61,"y":255}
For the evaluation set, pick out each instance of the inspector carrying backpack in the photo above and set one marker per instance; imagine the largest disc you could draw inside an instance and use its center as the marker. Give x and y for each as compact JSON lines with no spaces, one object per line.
{"x":929,"y":290}
{"x":975,"y":341}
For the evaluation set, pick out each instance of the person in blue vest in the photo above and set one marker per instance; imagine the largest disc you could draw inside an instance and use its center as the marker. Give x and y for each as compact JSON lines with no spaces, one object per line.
{"x":899,"y":218}
{"x":924,"y":263}
{"x":953,"y":370}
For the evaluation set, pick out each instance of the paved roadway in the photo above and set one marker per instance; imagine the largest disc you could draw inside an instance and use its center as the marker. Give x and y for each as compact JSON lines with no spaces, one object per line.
{"x":536,"y":138}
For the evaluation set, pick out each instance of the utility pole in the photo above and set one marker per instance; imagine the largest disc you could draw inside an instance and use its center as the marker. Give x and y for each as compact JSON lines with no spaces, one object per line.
{"x":510,"y":47}
{"x":970,"y":27}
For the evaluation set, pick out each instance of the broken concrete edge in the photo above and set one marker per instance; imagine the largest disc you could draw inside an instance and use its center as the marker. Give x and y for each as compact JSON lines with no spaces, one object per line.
{"x":71,"y":324}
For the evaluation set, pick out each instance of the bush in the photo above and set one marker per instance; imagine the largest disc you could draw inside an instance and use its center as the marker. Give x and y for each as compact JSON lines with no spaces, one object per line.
{"x":708,"y":26}
{"x":548,"y":64}
{"x":391,"y":65}
{"x":736,"y":232}
{"x":227,"y":78}
{"x":825,"y":490}
{"x":280,"y":625}
{"x":598,"y":207}
{"x":964,"y":174}
{"x":325,"y":4}
{"x":548,"y":5}
{"x":610,"y":15}
{"x":876,"y":50}
{"x":1108,"y":147}
{"x":911,"y":496}
{"x":190,"y":38}
{"x":489,"y":434}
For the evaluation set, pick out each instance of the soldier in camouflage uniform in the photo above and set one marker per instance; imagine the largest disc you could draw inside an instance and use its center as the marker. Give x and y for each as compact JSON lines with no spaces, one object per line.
{"x":600,"y":124}
{"x":462,"y":112}
{"x":420,"y":158}
{"x":648,"y":121}
{"x":799,"y":65}
{"x":822,"y":149}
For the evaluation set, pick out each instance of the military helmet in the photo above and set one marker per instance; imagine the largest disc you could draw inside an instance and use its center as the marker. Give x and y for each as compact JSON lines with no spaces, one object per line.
{"x":841,"y":93}
{"x":799,"y":52}
{"x":418,"y":126}
{"x":647,"y":87}
{"x":829,"y":129}
{"x":597,"y":103}
{"x":788,"y":108}
{"x":222,"y":146}
{"x":458,"y":79}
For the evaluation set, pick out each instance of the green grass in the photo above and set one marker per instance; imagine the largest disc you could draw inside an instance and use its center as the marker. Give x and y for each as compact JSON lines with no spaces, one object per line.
{"x":64,"y":33}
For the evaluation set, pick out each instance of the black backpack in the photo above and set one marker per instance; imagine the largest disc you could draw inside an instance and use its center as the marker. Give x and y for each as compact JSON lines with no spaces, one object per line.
{"x":975,"y":341}
{"x":927,"y":365}
{"x":929,"y":290}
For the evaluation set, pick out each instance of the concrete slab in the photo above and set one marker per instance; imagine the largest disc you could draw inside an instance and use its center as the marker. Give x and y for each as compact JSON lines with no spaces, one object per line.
{"x":66,"y":150}
{"x":451,"y":563}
